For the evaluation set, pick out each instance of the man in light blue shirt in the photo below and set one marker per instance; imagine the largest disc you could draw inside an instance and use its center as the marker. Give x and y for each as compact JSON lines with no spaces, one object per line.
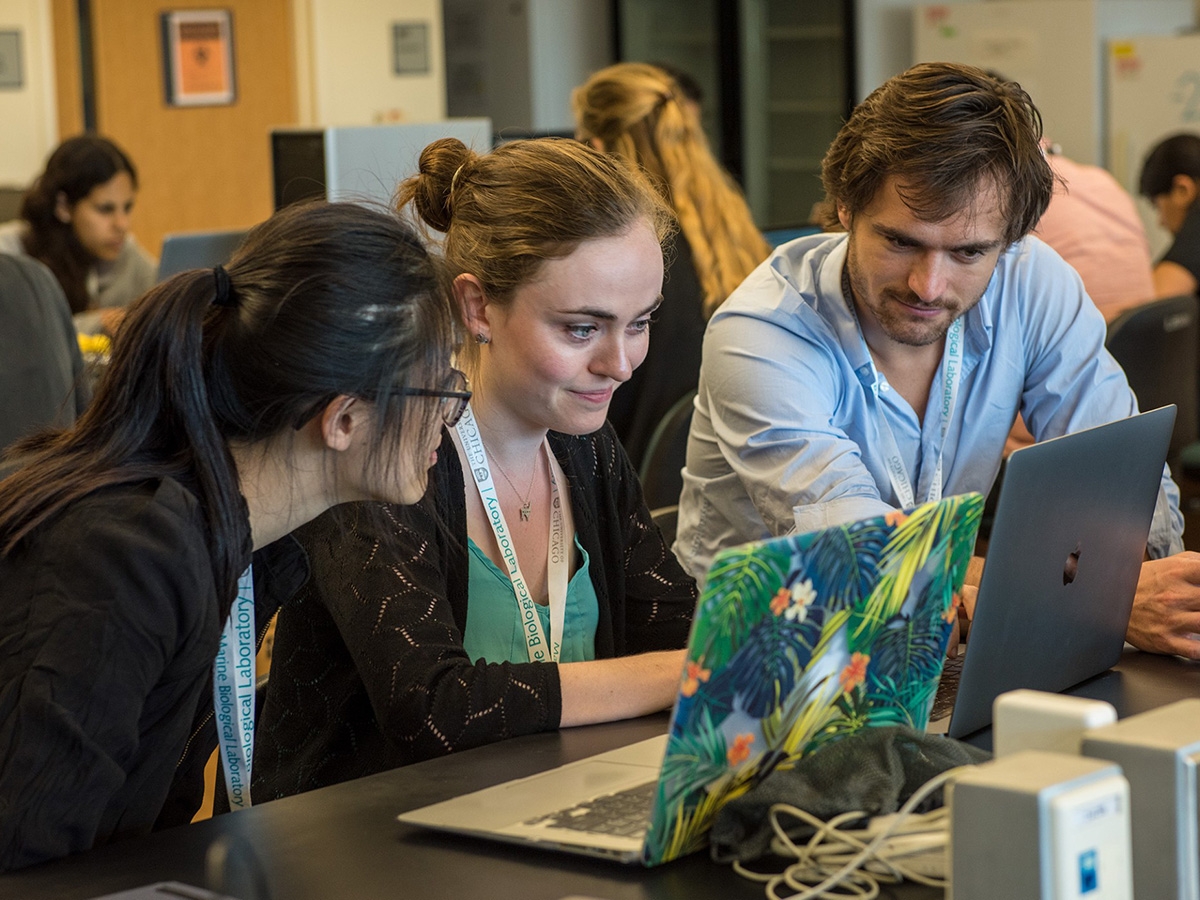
{"x":857,"y":373}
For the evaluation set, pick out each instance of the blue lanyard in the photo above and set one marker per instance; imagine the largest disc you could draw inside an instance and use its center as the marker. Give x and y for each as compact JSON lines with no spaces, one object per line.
{"x":233,"y":694}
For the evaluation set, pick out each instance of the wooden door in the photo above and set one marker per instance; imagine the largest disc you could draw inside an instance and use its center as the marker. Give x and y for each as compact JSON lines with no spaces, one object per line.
{"x":199,"y":168}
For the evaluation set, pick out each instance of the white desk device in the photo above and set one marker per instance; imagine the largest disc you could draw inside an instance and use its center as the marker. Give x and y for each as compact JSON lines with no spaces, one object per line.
{"x":1040,"y":826}
{"x":1039,"y":720}
{"x":1159,"y":752}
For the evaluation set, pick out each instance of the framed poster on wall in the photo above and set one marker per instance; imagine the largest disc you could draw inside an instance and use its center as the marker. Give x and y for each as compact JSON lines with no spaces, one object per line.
{"x":10,"y":60}
{"x":198,"y":57}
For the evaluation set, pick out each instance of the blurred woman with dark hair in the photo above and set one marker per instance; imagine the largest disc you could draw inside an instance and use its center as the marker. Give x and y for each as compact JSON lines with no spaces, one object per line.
{"x":75,"y":219}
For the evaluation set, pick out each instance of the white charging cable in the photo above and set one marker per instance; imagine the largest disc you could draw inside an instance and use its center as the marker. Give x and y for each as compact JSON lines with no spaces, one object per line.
{"x":905,"y":846}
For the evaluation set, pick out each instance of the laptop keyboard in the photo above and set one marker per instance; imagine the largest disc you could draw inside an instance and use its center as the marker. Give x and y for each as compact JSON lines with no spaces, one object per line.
{"x":625,"y":813}
{"x":943,"y":701}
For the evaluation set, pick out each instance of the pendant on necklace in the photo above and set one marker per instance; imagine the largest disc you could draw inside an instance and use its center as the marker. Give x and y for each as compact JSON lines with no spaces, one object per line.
{"x":525,"y":511}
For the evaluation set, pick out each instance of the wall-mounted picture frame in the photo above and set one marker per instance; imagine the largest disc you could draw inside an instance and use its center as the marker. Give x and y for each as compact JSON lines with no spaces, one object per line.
{"x":11,"y":76}
{"x":410,"y":48}
{"x":198,"y":57}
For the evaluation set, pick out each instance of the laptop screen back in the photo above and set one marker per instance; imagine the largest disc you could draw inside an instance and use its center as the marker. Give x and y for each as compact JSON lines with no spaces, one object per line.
{"x":1063,"y":562}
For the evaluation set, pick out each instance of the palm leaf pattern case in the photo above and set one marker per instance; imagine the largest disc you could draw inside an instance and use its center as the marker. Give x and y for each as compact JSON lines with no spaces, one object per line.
{"x":802,"y":640}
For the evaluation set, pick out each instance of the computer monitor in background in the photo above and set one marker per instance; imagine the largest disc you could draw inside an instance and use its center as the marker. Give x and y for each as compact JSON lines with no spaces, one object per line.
{"x":359,"y":163}
{"x":297,"y":165}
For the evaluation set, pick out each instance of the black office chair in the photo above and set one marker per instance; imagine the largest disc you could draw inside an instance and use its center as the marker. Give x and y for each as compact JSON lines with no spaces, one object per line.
{"x":1157,"y":345}
{"x":666,"y":453}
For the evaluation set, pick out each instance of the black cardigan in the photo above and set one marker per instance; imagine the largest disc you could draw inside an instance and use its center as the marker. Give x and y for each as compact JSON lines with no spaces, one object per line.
{"x":369,"y":671}
{"x":109,"y":622}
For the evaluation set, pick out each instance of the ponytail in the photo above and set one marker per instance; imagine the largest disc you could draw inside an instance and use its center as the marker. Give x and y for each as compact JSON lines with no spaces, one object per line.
{"x":150,"y":418}
{"x":322,"y":299}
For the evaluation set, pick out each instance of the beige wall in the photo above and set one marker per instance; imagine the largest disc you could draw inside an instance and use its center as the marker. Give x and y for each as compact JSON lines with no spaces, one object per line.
{"x":29,"y":128}
{"x":200,"y":167}
{"x":345,"y":48}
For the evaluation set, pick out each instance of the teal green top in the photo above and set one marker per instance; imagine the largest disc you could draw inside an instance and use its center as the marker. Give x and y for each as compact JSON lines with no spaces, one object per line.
{"x":494,"y":631}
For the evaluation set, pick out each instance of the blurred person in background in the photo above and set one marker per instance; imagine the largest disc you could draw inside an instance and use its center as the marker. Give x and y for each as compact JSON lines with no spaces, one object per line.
{"x":75,"y":220}
{"x":1170,"y":179}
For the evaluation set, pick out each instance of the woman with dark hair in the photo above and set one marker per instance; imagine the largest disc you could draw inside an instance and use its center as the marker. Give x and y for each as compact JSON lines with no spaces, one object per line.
{"x":548,"y":598}
{"x":240,"y":403}
{"x":1171,"y":180}
{"x":75,"y":219}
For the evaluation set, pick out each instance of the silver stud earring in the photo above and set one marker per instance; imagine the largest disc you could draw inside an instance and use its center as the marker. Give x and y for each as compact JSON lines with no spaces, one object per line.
{"x":481,"y":338}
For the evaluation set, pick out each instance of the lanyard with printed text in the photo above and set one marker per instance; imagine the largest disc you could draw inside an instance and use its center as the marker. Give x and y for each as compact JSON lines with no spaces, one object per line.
{"x":233,"y":694}
{"x":557,"y":558}
{"x":897,"y":472}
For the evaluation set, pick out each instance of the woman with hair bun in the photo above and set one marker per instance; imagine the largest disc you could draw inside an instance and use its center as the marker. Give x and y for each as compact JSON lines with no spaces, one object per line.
{"x":529,"y":589}
{"x":639,"y":113}
{"x":75,"y":220}
{"x":240,"y":403}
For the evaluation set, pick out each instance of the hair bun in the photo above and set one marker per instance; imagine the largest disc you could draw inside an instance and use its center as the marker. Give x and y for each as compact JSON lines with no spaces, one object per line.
{"x":440,"y":174}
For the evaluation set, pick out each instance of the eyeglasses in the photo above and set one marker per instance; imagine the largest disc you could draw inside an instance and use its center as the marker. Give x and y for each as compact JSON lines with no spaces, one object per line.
{"x":454,"y":400}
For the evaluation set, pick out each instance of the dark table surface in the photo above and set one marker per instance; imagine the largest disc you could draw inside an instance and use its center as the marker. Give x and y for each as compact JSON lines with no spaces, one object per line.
{"x":344,"y":841}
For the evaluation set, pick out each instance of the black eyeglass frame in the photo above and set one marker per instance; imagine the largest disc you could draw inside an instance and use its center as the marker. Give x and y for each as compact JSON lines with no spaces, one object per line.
{"x":462,"y":396}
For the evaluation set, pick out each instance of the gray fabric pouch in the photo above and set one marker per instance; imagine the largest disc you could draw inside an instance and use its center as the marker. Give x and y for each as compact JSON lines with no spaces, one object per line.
{"x":875,"y":770}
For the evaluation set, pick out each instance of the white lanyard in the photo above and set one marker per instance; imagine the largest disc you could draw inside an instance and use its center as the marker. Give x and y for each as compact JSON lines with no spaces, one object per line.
{"x":233,"y":694}
{"x":557,"y":558}
{"x":951,"y":376}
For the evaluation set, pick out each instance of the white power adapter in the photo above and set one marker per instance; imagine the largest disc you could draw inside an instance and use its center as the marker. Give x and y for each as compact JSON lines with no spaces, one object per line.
{"x":1040,"y":826}
{"x":1037,"y":720}
{"x":1159,"y":752}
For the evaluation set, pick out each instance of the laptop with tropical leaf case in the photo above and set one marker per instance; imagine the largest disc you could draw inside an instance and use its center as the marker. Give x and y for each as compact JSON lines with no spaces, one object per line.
{"x":802,"y":640}
{"x":796,"y":642}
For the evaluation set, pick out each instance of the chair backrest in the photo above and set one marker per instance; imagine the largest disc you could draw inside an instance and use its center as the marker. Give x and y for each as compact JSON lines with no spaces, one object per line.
{"x":666,"y":518}
{"x":666,"y":453}
{"x":1157,"y":344}
{"x":39,"y":375}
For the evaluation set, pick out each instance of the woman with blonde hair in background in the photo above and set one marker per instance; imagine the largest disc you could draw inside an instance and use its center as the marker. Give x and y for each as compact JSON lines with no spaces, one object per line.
{"x":639,"y":113}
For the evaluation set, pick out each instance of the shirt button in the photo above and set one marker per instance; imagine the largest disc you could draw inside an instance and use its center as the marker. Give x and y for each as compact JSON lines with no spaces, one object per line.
{"x":884,"y":386}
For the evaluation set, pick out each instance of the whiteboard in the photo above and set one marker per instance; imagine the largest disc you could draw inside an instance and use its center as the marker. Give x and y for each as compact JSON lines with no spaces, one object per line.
{"x":1154,"y":91}
{"x":1055,"y":50}
{"x":1050,"y":48}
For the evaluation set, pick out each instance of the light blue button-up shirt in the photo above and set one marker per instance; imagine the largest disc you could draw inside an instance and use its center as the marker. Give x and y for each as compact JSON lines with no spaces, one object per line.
{"x":785,"y":416}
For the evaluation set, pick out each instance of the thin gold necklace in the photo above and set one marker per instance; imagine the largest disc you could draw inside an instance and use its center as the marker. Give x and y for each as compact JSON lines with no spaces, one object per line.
{"x":526,"y":506}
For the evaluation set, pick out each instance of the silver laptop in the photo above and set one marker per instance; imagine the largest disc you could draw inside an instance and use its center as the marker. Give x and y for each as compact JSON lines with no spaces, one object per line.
{"x":1062,"y":564}
{"x":794,"y":639}
{"x":197,"y":250}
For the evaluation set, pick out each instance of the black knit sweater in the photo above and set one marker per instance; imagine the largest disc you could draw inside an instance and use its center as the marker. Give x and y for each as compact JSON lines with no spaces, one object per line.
{"x":369,"y":671}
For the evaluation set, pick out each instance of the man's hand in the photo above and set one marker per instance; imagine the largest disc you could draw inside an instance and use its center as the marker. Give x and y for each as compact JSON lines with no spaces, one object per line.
{"x":1166,"y":608}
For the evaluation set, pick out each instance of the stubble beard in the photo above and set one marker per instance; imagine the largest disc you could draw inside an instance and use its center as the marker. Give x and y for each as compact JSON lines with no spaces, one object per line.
{"x":892,"y":321}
